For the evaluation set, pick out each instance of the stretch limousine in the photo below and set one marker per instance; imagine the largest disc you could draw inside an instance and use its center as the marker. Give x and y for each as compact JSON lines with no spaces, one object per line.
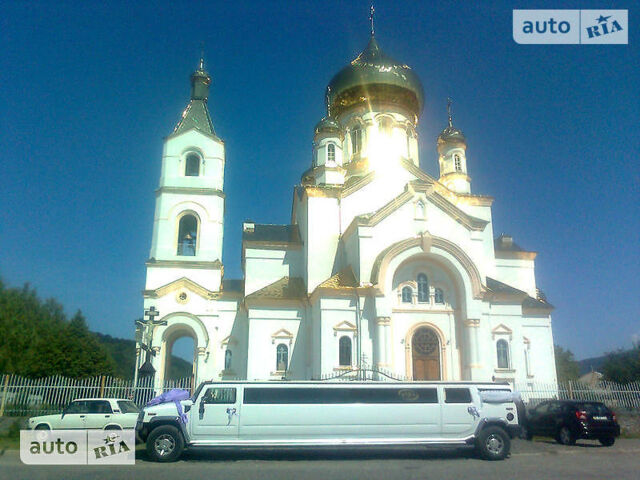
{"x":295,"y":414}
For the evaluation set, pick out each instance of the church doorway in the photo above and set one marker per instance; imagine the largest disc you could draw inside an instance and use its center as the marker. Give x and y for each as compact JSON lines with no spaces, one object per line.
{"x":425,"y":352}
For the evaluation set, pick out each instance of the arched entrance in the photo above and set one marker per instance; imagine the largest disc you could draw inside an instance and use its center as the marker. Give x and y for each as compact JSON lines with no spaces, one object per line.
{"x":176,"y":367}
{"x":425,"y":354}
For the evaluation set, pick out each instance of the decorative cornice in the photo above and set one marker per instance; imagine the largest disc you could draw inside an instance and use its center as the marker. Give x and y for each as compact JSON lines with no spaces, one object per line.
{"x":191,"y":191}
{"x":282,"y":334}
{"x":515,"y":255}
{"x":453,"y":197}
{"x":182,"y":283}
{"x":472,"y":322}
{"x":344,"y":326}
{"x":271,"y":245}
{"x":215,"y":265}
{"x":426,"y":242}
{"x":371,"y":220}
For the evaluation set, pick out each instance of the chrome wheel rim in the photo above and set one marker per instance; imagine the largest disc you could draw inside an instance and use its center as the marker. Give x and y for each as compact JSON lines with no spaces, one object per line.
{"x":494,"y":444}
{"x":164,"y":445}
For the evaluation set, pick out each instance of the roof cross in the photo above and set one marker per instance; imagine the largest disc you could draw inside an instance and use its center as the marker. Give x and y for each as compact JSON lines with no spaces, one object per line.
{"x":449,"y":103}
{"x":372,"y":12}
{"x":201,"y":67}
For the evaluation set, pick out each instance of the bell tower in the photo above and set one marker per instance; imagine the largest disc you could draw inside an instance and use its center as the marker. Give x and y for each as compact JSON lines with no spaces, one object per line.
{"x":188,"y":224}
{"x":452,"y":148}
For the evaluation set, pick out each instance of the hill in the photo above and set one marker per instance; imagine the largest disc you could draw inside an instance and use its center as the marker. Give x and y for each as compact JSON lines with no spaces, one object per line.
{"x":593,"y":363}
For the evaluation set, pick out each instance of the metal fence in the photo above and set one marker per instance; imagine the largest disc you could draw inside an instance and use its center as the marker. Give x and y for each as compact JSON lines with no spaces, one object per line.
{"x":613,"y":394}
{"x":20,"y":396}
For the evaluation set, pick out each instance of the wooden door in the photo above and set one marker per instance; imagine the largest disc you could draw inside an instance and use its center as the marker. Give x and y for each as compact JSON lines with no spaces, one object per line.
{"x":425,"y":349}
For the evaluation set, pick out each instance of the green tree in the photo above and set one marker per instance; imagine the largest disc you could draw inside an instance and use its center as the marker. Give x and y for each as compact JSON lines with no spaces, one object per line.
{"x":622,"y":366}
{"x":36,"y":339}
{"x":566,"y":366}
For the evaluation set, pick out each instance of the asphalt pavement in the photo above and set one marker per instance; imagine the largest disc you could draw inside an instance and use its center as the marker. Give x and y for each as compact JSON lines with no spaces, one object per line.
{"x":540,"y":459}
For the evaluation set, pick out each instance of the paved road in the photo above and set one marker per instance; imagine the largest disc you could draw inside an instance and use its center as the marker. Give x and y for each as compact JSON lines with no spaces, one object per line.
{"x":529,"y":460}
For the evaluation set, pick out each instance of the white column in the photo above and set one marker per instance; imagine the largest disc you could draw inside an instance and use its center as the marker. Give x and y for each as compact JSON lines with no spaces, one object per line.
{"x":472,"y":361}
{"x":382,"y":343}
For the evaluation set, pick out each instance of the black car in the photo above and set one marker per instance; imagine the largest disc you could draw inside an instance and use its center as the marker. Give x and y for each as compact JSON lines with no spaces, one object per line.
{"x":569,"y":420}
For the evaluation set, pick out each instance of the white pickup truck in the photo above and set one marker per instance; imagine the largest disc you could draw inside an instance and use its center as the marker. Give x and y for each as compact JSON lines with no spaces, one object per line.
{"x":292,"y":414}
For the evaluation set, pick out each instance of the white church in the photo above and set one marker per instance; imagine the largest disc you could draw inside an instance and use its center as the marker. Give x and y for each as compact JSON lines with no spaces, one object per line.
{"x":383,"y":268}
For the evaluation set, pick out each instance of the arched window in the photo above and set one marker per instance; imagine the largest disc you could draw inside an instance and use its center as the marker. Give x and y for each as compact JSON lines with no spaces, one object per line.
{"x":438,"y":296}
{"x":423,"y":288}
{"x":385,"y":126}
{"x":227,"y":359}
{"x":409,"y":138}
{"x":345,"y":351}
{"x":331,"y":152}
{"x":192,"y":166}
{"x":187,"y":236}
{"x":282,"y":358}
{"x":457,"y":162}
{"x":420,"y":209}
{"x":356,"y":140}
{"x":407,"y":293}
{"x":502,"y":347}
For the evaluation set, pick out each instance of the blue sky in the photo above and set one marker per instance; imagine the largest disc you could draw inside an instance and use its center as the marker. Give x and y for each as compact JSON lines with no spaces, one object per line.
{"x":89,"y":90}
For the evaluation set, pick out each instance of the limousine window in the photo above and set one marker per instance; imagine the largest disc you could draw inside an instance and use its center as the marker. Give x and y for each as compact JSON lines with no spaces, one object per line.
{"x":220,"y":395}
{"x":339,"y":395}
{"x":457,"y":395}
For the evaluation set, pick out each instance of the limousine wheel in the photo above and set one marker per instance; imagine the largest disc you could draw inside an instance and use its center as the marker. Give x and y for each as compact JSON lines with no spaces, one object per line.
{"x":493,"y":443}
{"x":165,"y":444}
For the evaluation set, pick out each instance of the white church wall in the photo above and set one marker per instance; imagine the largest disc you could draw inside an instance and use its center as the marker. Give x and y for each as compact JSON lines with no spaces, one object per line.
{"x":337,"y":318}
{"x":268,"y":328}
{"x":519,"y":273}
{"x":265,"y":266}
{"x":322,"y":239}
{"x":381,"y":190}
{"x":541,"y":352}
{"x":299,"y":217}
{"x":482,"y":246}
{"x":230,"y":333}
{"x":160,"y":276}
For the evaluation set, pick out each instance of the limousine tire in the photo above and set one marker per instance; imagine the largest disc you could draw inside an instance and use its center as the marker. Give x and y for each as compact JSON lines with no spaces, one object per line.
{"x":165,"y":444}
{"x":493,"y":443}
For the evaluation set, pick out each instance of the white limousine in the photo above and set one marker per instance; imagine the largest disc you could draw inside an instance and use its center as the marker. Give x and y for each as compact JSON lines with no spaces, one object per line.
{"x":293,"y":414}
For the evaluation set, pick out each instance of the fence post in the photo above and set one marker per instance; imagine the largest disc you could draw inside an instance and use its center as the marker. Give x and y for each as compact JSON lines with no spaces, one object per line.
{"x":570,"y":390}
{"x":101,"y":386}
{"x":4,"y":394}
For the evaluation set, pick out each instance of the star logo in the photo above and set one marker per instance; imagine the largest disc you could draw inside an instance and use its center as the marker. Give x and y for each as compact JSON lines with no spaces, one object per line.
{"x":602,"y":19}
{"x":111,"y":438}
